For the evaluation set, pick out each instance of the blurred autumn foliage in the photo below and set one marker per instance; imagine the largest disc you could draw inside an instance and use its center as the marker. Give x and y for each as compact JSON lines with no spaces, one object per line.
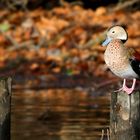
{"x":63,"y":40}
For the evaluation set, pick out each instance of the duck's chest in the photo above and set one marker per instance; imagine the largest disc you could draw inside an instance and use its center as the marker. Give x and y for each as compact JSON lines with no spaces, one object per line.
{"x":115,"y":57}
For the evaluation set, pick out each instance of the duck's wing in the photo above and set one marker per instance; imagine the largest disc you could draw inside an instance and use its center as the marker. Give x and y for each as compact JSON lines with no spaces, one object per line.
{"x":134,"y":58}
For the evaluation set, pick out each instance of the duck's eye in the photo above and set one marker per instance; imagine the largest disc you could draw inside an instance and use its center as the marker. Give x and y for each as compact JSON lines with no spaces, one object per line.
{"x":113,"y":31}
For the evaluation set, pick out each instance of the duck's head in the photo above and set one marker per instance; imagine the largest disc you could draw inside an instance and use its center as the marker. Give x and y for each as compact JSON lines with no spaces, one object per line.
{"x":115,"y":32}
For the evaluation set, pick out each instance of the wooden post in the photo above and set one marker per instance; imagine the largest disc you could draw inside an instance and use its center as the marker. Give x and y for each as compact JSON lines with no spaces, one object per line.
{"x":5,"y":97}
{"x":125,"y":116}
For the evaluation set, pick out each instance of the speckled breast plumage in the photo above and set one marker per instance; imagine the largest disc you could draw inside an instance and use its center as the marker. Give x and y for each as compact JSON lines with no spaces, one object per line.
{"x":116,"y":59}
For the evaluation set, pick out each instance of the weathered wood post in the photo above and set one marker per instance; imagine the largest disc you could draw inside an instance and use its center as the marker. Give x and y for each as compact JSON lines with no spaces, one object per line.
{"x":125,"y":116}
{"x":5,"y":97}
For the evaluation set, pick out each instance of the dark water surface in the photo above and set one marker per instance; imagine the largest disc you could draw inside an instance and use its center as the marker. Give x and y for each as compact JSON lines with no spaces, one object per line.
{"x":58,"y":114}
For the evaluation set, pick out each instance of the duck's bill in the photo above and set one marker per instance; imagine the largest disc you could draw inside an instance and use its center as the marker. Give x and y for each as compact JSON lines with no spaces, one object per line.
{"x":106,"y":42}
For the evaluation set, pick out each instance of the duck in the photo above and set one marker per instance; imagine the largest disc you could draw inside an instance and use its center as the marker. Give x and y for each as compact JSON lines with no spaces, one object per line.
{"x":124,"y":62}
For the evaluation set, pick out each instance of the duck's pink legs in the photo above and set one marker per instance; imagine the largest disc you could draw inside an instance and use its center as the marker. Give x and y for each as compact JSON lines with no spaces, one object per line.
{"x":126,"y":89}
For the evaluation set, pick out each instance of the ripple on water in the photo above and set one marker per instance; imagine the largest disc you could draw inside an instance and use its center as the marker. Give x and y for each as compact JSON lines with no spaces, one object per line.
{"x":58,"y":114}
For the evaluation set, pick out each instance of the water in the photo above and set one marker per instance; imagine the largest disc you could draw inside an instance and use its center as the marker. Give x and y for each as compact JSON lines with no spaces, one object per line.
{"x":58,"y":114}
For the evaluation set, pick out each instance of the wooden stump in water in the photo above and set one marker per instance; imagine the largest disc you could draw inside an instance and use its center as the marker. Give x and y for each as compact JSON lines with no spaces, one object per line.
{"x":125,"y":116}
{"x":5,"y":97}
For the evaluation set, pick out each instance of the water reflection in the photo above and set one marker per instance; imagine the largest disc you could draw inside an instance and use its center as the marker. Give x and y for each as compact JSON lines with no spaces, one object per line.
{"x":60,"y":114}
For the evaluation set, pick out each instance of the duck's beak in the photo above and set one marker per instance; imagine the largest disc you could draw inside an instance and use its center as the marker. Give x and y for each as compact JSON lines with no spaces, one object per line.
{"x":106,"y":42}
